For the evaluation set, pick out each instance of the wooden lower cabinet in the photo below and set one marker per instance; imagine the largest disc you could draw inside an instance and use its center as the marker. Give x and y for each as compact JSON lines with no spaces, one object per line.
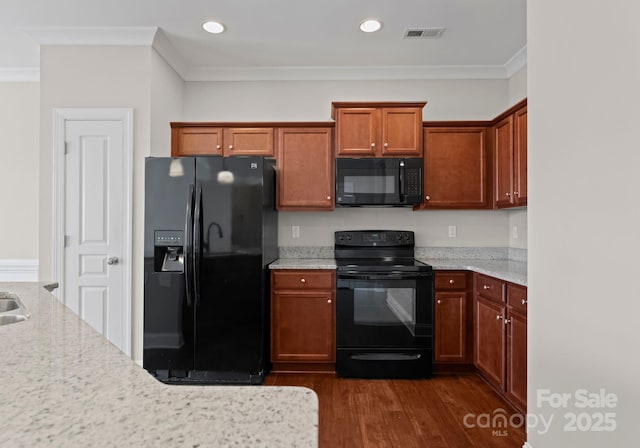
{"x":500,"y":337}
{"x":303,"y":320}
{"x":516,"y":387}
{"x":453,"y":321}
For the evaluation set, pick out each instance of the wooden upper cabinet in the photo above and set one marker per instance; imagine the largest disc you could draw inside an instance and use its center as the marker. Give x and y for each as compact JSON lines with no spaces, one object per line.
{"x":378,"y":129}
{"x":305,"y":169}
{"x":510,"y":162}
{"x":196,"y":141}
{"x":520,"y":156}
{"x":456,"y":167}
{"x":193,"y":139}
{"x":248,"y":142}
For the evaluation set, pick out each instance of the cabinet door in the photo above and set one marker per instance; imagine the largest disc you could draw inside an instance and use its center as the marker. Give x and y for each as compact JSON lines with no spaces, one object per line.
{"x":248,"y":142}
{"x":503,"y":141}
{"x":520,"y":157}
{"x":302,"y":326}
{"x":490,"y":341}
{"x":356,"y":130}
{"x":456,"y":168}
{"x":196,"y":141}
{"x":517,"y":360}
{"x":401,"y":131}
{"x":450,"y":326}
{"x":305,"y":169}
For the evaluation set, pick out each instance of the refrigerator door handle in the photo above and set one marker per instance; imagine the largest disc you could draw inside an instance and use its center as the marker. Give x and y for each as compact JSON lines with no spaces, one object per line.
{"x":197,"y":243}
{"x":188,"y":248}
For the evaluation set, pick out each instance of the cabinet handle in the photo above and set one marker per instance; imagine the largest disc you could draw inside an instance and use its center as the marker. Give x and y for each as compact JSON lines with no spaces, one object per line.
{"x":303,"y":280}
{"x":451,"y":281}
{"x":485,"y":287}
{"x":230,"y":146}
{"x":524,"y":301}
{"x":373,"y":145}
{"x":439,"y":302}
{"x":428,"y":198}
{"x":329,"y":301}
{"x":499,"y":317}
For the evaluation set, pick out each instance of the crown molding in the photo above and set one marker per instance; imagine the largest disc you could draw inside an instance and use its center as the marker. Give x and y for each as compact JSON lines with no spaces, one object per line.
{"x":93,"y":35}
{"x":516,"y":62}
{"x":165,"y":48}
{"x":374,"y":73}
{"x":31,"y":74}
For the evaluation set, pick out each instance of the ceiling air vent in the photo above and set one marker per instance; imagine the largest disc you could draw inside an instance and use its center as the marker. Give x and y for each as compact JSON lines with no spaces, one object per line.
{"x":423,"y":33}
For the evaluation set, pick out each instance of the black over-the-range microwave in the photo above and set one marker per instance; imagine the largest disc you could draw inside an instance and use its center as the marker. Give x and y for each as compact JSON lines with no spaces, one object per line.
{"x":391,"y":182}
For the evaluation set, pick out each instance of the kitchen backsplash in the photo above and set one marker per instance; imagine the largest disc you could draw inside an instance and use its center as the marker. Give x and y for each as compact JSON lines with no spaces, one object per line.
{"x":466,"y":253}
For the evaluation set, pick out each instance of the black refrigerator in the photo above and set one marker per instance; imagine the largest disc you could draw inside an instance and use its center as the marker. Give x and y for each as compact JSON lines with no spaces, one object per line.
{"x":210,"y":233}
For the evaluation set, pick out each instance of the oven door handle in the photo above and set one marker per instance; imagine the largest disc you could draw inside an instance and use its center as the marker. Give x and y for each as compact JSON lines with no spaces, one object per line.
{"x":383,"y":276}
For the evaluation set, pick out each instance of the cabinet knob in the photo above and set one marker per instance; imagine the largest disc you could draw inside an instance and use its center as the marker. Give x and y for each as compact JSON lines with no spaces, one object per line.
{"x":451,"y":281}
{"x":373,"y":145}
{"x":328,"y":198}
{"x":218,"y":146}
{"x":428,"y":198}
{"x":329,"y":301}
{"x":439,"y":302}
{"x":230,"y":146}
{"x":524,"y":301}
{"x":499,"y":317}
{"x":508,"y":194}
{"x":507,"y":321}
{"x":302,"y":280}
{"x":386,"y":145}
{"x":485,"y":287}
{"x":516,"y":193}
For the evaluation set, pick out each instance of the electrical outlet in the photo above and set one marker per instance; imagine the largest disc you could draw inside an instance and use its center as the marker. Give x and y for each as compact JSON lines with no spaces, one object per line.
{"x":514,"y":232}
{"x":453,"y":231}
{"x":295,"y":231}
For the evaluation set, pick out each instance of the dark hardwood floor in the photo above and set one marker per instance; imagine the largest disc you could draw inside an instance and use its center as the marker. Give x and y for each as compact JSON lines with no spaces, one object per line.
{"x":408,"y":413}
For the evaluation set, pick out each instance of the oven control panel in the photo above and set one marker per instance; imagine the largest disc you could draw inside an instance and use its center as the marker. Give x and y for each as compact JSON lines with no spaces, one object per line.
{"x":375,"y":238}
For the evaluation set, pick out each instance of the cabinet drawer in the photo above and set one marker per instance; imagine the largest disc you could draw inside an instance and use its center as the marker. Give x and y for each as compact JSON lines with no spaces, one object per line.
{"x":307,"y":279}
{"x":490,"y":288}
{"x":448,"y":280}
{"x":517,"y":297}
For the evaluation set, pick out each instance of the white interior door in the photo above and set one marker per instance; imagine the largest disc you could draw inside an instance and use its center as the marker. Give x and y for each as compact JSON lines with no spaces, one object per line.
{"x":96,"y":259}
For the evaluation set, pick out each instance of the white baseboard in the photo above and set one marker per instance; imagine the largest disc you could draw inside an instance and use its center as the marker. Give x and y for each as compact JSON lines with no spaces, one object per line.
{"x":18,"y":270}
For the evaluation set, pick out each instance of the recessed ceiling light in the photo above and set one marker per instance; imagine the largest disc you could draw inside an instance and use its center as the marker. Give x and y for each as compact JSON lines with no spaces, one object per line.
{"x":213,"y":27}
{"x":370,"y":25}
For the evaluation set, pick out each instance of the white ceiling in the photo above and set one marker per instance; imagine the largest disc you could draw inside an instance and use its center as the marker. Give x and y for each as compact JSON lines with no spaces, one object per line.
{"x":282,"y":38}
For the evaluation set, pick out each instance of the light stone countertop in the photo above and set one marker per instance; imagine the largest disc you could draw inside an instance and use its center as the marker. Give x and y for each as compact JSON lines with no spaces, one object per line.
{"x":508,"y":270}
{"x":65,"y":385}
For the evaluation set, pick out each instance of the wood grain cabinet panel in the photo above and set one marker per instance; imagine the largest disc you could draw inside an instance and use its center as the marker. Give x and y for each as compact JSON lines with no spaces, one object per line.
{"x":305,"y":166}
{"x":510,"y":160}
{"x":456,"y":168}
{"x":453,"y":319}
{"x":378,"y":129}
{"x":501,"y":338}
{"x":303,"y":320}
{"x":194,"y":139}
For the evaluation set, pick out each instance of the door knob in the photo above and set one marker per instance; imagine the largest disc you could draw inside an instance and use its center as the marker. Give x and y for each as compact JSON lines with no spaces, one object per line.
{"x":112,"y":260}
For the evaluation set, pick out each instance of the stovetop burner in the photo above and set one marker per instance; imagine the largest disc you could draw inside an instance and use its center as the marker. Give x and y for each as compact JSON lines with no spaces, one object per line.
{"x":377,"y":250}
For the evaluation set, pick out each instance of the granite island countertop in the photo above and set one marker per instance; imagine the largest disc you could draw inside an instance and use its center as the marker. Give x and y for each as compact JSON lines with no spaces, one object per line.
{"x":65,"y":385}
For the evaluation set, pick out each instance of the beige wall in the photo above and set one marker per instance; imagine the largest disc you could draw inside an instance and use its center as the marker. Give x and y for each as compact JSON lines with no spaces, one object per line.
{"x":517,"y":86}
{"x":583,"y":216}
{"x":19,"y":127}
{"x":78,"y":77}
{"x":167,"y":95}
